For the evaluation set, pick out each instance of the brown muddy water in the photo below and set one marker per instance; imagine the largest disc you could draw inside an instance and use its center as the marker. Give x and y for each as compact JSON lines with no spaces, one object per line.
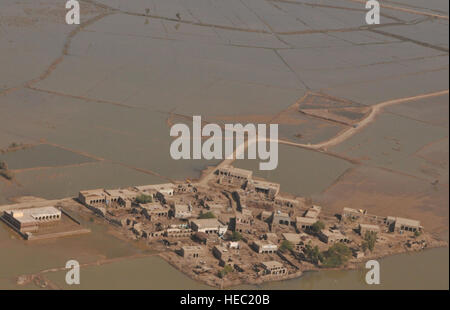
{"x":396,"y":272}
{"x":119,"y":78}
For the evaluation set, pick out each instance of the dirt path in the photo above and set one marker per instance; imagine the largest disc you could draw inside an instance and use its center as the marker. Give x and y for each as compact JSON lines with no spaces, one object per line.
{"x":376,"y":109}
{"x":344,"y":135}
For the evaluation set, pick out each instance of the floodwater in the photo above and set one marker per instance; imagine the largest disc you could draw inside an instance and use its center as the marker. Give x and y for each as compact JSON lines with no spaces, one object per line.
{"x":396,"y":272}
{"x":20,"y":257}
{"x":116,"y":81}
{"x":300,"y":171}
{"x":42,"y":155}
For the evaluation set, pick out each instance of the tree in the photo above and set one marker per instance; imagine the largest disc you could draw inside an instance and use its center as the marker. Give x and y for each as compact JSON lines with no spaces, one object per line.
{"x":144,"y":198}
{"x":313,"y":253}
{"x":236,"y":236}
{"x":286,"y":245}
{"x":336,"y":255}
{"x":370,"y":238}
{"x":7,"y":174}
{"x":317,"y":227}
{"x":226,"y":270}
{"x":207,"y":215}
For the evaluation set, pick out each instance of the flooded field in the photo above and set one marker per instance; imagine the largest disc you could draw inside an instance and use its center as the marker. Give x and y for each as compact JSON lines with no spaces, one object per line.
{"x":395,"y":273}
{"x":155,"y":273}
{"x":96,"y":99}
{"x":42,"y":155}
{"x":385,"y":192}
{"x":23,"y":257}
{"x":391,"y":143}
{"x":139,"y":274}
{"x":301,"y":172}
{"x":55,"y":183}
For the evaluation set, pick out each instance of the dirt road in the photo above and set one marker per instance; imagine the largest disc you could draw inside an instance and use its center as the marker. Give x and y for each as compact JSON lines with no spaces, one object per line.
{"x":376,"y":109}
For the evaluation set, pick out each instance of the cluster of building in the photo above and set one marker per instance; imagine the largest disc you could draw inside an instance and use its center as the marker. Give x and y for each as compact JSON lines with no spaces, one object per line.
{"x":236,"y":220}
{"x":393,"y":224}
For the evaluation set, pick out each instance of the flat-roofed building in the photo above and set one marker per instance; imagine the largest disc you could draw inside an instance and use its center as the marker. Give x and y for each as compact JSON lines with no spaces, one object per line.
{"x":313,"y":212}
{"x":123,"y":197}
{"x":159,"y":191}
{"x":264,"y":247}
{"x":118,"y":197}
{"x":351,"y":213}
{"x":332,"y":236}
{"x":270,"y":189}
{"x":215,"y":207}
{"x":208,"y":226}
{"x":297,"y":240}
{"x":232,"y":175}
{"x":281,"y":218}
{"x":200,"y":237}
{"x":265,"y":215}
{"x":181,"y":211}
{"x":178,"y":232}
{"x":272,"y":237}
{"x":166,"y":188}
{"x":286,"y":202}
{"x":29,"y":220}
{"x":153,"y":211}
{"x":273,"y":268}
{"x":304,"y":223}
{"x":192,"y":251}
{"x":242,"y":222}
{"x":221,"y":252}
{"x":400,"y":224}
{"x":92,"y":197}
{"x":363,"y":228}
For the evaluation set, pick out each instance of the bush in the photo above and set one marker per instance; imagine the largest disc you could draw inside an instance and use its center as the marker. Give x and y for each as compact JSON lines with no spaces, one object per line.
{"x":3,"y":165}
{"x":236,"y":236}
{"x":286,"y":246}
{"x":207,"y":215}
{"x":336,"y":255}
{"x":7,"y":174}
{"x":144,"y":198}
{"x":317,"y":227}
{"x":370,"y":238}
{"x":313,"y":253}
{"x":226,"y":270}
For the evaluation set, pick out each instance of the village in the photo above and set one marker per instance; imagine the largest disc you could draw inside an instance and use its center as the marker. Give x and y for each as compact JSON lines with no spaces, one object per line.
{"x":241,"y":229}
{"x":230,"y":228}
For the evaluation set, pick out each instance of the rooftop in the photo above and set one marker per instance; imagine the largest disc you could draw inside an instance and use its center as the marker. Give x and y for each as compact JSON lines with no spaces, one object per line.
{"x":305,"y":220}
{"x":237,"y":171}
{"x":32,"y":214}
{"x":272,"y":264}
{"x":406,"y":222}
{"x":294,"y":238}
{"x":369,"y":226}
{"x":266,"y":184}
{"x":155,"y":187}
{"x":205,"y":223}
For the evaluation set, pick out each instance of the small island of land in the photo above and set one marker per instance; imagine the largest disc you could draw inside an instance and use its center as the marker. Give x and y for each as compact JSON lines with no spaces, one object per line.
{"x":232,"y":228}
